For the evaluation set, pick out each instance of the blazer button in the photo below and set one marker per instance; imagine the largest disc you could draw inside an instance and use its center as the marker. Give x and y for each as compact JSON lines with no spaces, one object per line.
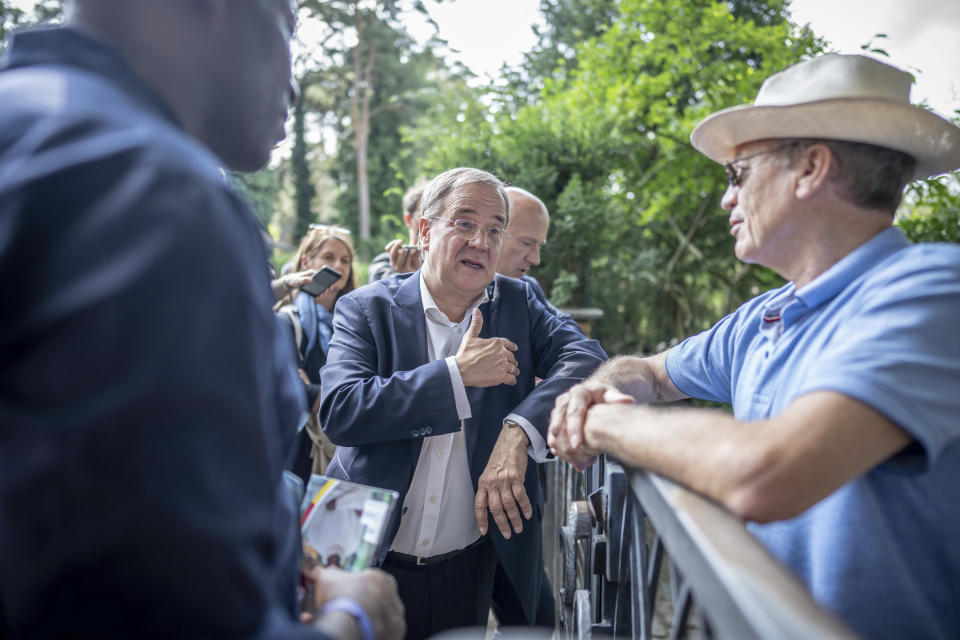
{"x":414,"y":432}
{"x":423,"y":431}
{"x":429,"y":430}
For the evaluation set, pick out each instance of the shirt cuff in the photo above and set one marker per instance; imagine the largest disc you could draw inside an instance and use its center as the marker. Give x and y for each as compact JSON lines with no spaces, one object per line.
{"x":537,"y":449}
{"x":459,"y":391}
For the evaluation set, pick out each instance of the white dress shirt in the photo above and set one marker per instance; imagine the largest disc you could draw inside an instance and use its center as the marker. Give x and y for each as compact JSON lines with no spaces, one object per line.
{"x":438,"y":514}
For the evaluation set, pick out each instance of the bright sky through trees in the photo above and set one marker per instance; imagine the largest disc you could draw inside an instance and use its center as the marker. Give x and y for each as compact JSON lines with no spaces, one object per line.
{"x":923,"y":36}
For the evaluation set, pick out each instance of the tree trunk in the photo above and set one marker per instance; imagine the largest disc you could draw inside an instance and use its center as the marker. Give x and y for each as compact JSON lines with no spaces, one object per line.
{"x":303,"y":188}
{"x":360,"y":114}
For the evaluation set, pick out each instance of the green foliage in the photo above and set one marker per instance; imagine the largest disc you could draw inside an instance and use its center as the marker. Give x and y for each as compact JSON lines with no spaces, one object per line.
{"x":260,"y":189}
{"x":636,"y":224}
{"x":372,"y":66}
{"x":12,"y":17}
{"x":568,"y":24}
{"x":303,"y":189}
{"x":931,"y":211}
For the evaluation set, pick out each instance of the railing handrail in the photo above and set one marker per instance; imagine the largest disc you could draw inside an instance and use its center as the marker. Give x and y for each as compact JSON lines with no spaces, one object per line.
{"x":741,"y":587}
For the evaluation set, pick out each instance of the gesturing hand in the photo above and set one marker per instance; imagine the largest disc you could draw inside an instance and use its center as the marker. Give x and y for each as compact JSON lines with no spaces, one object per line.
{"x":486,"y":362}
{"x":500,"y":487}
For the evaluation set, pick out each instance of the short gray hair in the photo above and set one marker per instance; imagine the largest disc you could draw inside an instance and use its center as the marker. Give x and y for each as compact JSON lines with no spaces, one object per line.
{"x":866,"y":175}
{"x":435,"y":195}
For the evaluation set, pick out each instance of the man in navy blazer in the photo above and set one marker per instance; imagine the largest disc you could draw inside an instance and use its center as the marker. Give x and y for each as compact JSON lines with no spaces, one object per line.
{"x":429,"y":390}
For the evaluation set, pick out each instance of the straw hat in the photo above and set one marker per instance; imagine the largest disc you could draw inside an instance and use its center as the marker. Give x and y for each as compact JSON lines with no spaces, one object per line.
{"x":836,"y":97}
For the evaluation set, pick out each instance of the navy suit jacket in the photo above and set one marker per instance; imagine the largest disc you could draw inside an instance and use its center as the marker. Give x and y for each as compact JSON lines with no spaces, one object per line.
{"x":382,"y":396}
{"x":147,"y":393}
{"x":542,"y":297}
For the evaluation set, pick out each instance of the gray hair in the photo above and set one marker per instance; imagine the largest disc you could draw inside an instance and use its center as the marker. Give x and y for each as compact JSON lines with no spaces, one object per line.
{"x":866,"y":175}
{"x":435,"y":195}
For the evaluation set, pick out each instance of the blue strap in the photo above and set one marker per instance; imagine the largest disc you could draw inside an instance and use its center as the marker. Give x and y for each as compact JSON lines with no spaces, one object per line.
{"x":354,"y":609}
{"x":316,"y":321}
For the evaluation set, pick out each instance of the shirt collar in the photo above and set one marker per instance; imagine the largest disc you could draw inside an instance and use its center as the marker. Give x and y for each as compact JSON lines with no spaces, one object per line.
{"x":433,"y":312}
{"x":68,"y":46}
{"x":832,"y":281}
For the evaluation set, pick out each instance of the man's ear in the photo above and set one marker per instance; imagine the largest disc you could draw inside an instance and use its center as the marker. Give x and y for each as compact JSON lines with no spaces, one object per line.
{"x":423,"y":233}
{"x":813,"y":170}
{"x":407,"y":220}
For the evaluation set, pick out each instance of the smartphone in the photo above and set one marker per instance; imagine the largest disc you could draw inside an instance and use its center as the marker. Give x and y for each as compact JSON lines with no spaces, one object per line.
{"x":322,"y":280}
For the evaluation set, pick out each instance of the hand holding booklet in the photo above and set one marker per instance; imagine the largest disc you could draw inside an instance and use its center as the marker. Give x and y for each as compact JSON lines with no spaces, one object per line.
{"x":343,"y":523}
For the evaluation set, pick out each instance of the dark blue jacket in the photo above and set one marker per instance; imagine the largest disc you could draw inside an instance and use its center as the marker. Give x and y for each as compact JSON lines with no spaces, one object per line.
{"x":142,"y":429}
{"x":381,"y":395}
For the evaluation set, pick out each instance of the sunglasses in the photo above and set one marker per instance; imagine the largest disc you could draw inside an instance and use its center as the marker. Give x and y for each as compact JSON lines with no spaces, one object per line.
{"x":735,"y":174}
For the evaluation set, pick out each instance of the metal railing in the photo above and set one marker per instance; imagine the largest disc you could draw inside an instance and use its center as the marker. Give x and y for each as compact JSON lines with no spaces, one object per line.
{"x":624,"y":527}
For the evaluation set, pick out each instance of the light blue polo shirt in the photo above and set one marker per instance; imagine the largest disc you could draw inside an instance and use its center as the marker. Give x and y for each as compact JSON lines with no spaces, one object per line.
{"x":882,"y":326}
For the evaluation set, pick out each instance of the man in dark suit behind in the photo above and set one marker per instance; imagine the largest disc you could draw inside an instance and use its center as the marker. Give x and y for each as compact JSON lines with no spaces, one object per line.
{"x":429,"y":390}
{"x":526,"y":238}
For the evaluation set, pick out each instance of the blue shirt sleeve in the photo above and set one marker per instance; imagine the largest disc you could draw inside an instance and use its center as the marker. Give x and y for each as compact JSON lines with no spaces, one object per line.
{"x":900,"y":353}
{"x":704,"y":366}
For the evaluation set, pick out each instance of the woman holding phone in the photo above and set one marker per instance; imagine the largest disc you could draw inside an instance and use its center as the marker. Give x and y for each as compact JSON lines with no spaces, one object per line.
{"x":309,"y":311}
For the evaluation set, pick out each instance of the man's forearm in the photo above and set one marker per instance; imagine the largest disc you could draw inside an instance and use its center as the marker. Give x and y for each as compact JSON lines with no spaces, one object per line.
{"x":705,"y":450}
{"x":763,"y":470}
{"x":645,"y":379}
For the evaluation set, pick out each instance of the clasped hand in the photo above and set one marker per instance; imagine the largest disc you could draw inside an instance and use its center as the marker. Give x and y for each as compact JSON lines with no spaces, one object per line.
{"x":568,"y":436}
{"x":486,"y":362}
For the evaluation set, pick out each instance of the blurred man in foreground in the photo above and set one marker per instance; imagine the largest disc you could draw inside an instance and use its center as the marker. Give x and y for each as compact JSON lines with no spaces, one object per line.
{"x":844,"y":448}
{"x":144,"y":416}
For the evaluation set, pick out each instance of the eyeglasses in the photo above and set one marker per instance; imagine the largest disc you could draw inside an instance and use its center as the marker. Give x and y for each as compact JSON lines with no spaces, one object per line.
{"x":493,"y":234}
{"x":329,"y":227}
{"x":735,"y":174}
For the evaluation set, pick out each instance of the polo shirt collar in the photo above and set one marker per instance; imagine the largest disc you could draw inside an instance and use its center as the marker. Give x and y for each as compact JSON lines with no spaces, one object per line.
{"x":789,"y":303}
{"x":828,"y":284}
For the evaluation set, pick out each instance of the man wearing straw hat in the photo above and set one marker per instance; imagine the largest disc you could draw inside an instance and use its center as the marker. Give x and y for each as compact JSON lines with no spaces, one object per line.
{"x":843,"y":450}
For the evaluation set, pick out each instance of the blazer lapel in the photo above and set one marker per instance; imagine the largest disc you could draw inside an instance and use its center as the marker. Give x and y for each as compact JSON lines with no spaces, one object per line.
{"x":409,"y":325}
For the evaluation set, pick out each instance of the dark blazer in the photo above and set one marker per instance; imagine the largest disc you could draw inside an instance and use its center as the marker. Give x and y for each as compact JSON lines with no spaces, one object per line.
{"x":381,"y":396}
{"x":146,"y":391}
{"x":542,"y":297}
